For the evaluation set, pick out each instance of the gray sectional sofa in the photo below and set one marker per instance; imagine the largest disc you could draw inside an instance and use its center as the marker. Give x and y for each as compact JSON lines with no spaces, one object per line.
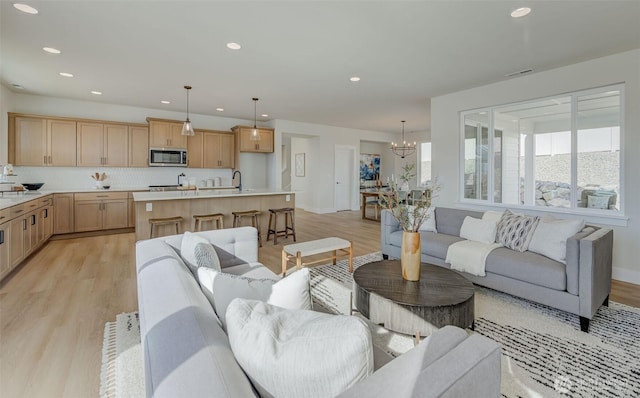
{"x":579,"y":287}
{"x":187,"y":352}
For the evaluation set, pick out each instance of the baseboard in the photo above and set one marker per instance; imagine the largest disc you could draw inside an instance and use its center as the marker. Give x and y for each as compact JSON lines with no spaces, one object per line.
{"x":626,"y":275}
{"x":321,"y":210}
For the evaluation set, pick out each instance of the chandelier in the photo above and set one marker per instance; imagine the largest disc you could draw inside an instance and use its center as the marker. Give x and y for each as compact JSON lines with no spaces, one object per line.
{"x":406,"y":148}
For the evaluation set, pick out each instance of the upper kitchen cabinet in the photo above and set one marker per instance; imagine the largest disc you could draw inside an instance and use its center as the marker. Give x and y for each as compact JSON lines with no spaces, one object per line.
{"x":102,"y":144}
{"x":166,"y":134}
{"x":138,"y":146}
{"x":211,"y":149}
{"x":245,"y":144}
{"x":37,"y":141}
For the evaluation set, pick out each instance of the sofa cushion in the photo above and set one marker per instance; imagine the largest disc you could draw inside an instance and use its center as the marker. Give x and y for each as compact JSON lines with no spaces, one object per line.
{"x":293,"y":292}
{"x":515,"y":230}
{"x":527,"y":267}
{"x":206,"y":256}
{"x":449,"y":221}
{"x":436,"y":245}
{"x":297,"y":353}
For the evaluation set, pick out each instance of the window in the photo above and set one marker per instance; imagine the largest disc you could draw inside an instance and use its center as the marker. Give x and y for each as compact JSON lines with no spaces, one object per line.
{"x":425,"y":164}
{"x":561,"y":152}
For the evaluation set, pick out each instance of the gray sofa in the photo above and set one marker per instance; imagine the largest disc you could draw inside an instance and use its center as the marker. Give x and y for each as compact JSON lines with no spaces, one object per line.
{"x":187,"y":353}
{"x":579,"y":287}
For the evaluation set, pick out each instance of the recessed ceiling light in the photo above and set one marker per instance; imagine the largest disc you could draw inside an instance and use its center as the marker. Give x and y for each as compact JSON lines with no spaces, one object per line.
{"x":66,"y":74}
{"x":96,"y":92}
{"x":51,"y":50}
{"x":234,"y":46}
{"x":25,"y":8}
{"x":355,"y":79}
{"x":165,"y":102}
{"x":264,"y":115}
{"x":520,"y":12}
{"x":19,"y":87}
{"x":220,"y":109}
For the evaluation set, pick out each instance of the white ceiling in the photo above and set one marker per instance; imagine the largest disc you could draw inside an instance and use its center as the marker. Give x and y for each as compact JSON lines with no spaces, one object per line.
{"x":297,"y":56}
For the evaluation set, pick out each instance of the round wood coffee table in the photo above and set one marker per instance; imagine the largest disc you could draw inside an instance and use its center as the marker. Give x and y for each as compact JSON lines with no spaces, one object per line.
{"x":441,"y":297}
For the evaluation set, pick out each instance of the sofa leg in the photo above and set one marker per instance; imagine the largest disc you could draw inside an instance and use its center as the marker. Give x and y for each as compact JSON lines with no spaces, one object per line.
{"x":606,"y":301}
{"x":584,"y":324}
{"x":385,"y":256}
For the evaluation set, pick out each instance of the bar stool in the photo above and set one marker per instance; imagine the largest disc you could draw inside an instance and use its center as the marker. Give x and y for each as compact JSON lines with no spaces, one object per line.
{"x":237,"y":220}
{"x":199,"y":219}
{"x":289,"y":225}
{"x":154,"y":222}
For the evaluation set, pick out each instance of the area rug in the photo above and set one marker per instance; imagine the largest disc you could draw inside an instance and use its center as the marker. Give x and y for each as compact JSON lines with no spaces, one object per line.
{"x":121,"y":375}
{"x":544,"y":353}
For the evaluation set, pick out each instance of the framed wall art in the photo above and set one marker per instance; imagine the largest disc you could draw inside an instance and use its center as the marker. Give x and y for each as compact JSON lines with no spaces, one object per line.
{"x":300,"y":166}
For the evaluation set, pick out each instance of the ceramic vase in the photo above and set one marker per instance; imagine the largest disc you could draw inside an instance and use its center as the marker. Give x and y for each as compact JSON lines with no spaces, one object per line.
{"x":410,"y":256}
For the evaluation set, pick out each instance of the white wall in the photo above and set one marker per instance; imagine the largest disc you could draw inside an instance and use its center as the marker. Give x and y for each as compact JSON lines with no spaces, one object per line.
{"x":6,"y":105}
{"x":623,"y":67}
{"x":321,"y":156}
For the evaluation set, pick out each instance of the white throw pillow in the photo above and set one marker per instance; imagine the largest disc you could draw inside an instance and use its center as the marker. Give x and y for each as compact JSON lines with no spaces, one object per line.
{"x":295,"y":353}
{"x":478,"y":230}
{"x":293,"y":292}
{"x":550,"y":237}
{"x":494,"y":216}
{"x":429,"y":225}
{"x":188,"y":248}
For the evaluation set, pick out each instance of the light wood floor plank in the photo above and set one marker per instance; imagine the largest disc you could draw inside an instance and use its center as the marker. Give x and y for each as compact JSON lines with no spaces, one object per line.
{"x":53,"y":308}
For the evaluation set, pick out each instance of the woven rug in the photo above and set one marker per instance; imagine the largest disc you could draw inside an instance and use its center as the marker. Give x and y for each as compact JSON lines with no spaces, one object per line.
{"x":121,"y":375}
{"x":544,"y":353}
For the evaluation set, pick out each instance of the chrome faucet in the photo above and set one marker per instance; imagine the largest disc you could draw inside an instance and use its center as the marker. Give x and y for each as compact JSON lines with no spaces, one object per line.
{"x":239,"y":186}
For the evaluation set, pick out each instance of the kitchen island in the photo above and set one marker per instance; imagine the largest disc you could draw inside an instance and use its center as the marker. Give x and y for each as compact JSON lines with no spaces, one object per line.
{"x":186,"y":204}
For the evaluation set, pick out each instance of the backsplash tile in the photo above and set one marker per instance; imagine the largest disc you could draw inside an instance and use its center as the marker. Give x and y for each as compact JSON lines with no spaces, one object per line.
{"x":69,"y":178}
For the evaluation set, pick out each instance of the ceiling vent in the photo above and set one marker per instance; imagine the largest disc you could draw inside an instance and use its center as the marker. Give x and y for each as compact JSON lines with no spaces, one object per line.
{"x":518,"y":73}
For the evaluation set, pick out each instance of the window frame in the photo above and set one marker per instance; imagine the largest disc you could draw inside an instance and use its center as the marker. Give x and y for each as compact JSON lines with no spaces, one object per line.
{"x":594,"y":214}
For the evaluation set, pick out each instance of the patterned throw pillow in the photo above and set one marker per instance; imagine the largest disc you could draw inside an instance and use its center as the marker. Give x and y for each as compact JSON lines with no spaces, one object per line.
{"x":515,"y":230}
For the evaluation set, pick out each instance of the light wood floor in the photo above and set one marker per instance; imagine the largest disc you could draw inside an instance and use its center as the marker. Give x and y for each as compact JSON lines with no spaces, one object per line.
{"x":53,"y":308}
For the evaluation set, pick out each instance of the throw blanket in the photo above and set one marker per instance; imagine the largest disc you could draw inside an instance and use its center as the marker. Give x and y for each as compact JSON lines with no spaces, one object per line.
{"x":469,"y":256}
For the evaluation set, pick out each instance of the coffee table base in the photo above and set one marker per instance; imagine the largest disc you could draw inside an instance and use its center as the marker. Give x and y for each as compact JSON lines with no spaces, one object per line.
{"x":411,"y":319}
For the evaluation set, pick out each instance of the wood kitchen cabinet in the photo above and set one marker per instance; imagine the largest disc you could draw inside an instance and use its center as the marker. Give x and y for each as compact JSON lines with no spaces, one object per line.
{"x":138,"y":146}
{"x":99,"y":211}
{"x":102,"y":144}
{"x":5,"y":241}
{"x":211,"y":149}
{"x":63,"y":217}
{"x":245,"y":144}
{"x":37,"y":141}
{"x":166,"y":134}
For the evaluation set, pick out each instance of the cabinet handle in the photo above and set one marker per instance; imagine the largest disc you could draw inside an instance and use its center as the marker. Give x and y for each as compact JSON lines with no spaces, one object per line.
{"x":33,"y":219}
{"x":24,"y":224}
{"x":46,"y":213}
{"x":102,"y":196}
{"x":1,"y":236}
{"x":19,"y":211}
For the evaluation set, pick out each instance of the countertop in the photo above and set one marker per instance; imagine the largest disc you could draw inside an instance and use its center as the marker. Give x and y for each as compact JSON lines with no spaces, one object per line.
{"x":8,"y":198}
{"x":200,"y":194}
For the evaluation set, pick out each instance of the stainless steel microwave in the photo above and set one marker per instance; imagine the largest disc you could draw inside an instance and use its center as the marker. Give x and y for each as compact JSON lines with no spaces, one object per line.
{"x":167,"y":157}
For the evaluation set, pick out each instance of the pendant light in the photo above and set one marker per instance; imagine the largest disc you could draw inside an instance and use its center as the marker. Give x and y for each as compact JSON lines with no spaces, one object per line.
{"x":187,"y":128}
{"x":406,"y":149}
{"x":255,"y":134}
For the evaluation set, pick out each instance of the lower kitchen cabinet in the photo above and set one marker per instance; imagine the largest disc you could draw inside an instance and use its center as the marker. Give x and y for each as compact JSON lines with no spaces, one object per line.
{"x":98,"y":211}
{"x":63,"y":208}
{"x":5,"y":233}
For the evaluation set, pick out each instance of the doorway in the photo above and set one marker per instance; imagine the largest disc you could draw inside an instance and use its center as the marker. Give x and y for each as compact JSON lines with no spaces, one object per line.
{"x":344,"y":177}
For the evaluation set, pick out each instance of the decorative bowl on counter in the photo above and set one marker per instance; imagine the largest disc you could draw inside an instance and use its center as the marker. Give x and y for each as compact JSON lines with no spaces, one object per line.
{"x":33,"y":186}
